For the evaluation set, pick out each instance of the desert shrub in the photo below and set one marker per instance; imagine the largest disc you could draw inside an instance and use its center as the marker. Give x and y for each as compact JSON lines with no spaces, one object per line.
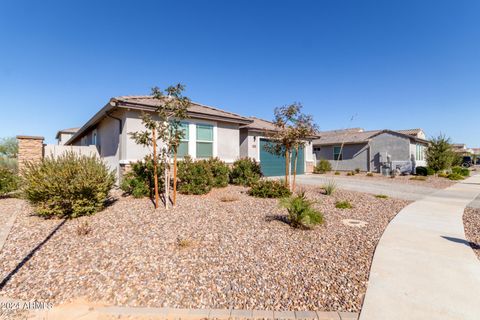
{"x":195,"y":177}
{"x":337,"y":173}
{"x":443,"y":175}
{"x":220,"y":172}
{"x":68,"y":186}
{"x":369,"y":174}
{"x":439,"y":154}
{"x":350,"y":173}
{"x":419,"y":178}
{"x":343,"y":205}
{"x":421,"y":171}
{"x":430,"y":171}
{"x":8,"y":181}
{"x":455,"y":176}
{"x":245,"y":172}
{"x":8,"y":154}
{"x":357,"y":170}
{"x":269,"y":189}
{"x":381,"y":196}
{"x":461,"y":171}
{"x":330,"y":187}
{"x":301,"y":214}
{"x":139,"y":181}
{"x":323,"y":166}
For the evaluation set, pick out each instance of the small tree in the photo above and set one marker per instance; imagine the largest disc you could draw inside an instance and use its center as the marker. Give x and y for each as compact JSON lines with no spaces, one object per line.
{"x":167,"y":129}
{"x":292,"y":129}
{"x":440,"y":154}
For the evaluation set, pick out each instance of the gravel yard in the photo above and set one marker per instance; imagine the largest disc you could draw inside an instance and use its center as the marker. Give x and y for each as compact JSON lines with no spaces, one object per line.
{"x":432,"y":182}
{"x":222,"y":250}
{"x":471,"y":222}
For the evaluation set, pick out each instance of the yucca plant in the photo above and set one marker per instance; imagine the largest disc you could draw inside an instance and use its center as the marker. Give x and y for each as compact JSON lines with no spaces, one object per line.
{"x":330,"y":187}
{"x":301,"y":214}
{"x":68,"y":186}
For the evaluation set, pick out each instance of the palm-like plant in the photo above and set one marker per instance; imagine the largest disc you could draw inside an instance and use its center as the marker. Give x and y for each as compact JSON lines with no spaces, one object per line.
{"x":300,"y":211}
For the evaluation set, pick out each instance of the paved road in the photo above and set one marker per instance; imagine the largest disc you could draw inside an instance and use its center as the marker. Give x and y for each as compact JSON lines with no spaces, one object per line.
{"x":423,"y":267}
{"x":396,"y":190}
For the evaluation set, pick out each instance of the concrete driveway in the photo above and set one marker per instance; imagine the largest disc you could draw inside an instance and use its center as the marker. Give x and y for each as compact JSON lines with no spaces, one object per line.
{"x":395,"y":190}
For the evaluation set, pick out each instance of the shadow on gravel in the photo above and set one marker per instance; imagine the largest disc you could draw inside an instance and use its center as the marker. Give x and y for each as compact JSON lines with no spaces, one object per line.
{"x":30,"y":255}
{"x":277,"y":217}
{"x":473,"y":245}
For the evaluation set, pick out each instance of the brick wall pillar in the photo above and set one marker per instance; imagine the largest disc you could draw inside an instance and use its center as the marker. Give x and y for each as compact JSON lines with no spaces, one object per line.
{"x":30,"y":149}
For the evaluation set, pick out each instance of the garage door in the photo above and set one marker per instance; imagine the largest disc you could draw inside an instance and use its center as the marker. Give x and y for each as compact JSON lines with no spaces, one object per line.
{"x":273,"y":165}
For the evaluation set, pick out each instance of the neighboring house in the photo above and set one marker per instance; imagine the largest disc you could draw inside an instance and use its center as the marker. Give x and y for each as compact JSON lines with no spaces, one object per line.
{"x":64,"y":135}
{"x":254,"y":137}
{"x":209,"y":132}
{"x":371,"y":150}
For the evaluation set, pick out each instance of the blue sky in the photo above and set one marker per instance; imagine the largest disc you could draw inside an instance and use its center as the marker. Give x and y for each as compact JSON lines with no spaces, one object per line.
{"x":390,"y":64}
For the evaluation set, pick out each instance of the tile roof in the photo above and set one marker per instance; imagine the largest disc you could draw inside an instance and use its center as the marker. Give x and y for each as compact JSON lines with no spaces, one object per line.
{"x":69,"y":130}
{"x":195,"y":107}
{"x":260,"y":125}
{"x":350,"y":136}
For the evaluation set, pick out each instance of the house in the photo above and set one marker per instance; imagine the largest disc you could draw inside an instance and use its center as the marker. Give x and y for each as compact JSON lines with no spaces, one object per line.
{"x":64,"y":135}
{"x":254,"y":138}
{"x":372,"y":150}
{"x":209,"y":132}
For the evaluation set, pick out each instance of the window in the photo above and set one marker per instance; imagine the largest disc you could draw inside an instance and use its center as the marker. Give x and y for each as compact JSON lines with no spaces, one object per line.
{"x":183,"y":146}
{"x":94,"y":138}
{"x":316,"y":149}
{"x":204,"y":141}
{"x":420,"y":153}
{"x":337,"y":153}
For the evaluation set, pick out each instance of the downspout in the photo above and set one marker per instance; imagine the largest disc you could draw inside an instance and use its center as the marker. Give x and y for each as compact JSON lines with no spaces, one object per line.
{"x":120,"y":129}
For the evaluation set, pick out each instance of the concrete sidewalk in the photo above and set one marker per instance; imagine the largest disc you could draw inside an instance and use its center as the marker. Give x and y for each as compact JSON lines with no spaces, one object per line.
{"x":423,"y":267}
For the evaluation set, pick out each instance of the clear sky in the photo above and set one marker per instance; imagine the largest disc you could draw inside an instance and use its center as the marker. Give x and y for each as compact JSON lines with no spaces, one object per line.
{"x":390,"y":64}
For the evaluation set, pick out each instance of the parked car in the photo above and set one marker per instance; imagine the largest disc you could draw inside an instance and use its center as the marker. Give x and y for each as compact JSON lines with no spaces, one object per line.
{"x":467,"y":161}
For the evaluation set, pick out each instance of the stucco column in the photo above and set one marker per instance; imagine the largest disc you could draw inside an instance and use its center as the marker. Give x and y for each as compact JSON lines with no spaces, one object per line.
{"x":30,"y":149}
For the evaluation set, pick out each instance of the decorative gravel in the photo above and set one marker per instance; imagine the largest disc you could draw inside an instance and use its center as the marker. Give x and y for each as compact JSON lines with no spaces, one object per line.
{"x":432,"y":181}
{"x":471,"y":222}
{"x":204,"y":253}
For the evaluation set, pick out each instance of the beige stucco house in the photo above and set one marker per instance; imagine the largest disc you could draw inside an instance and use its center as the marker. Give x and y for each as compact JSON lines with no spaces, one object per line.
{"x":210,"y":132}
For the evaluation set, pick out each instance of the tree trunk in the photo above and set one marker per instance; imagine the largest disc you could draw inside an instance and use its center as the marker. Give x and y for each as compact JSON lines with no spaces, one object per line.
{"x":155,"y":169}
{"x":167,"y":181}
{"x":287,"y":168}
{"x":295,"y":169}
{"x":175,"y":177}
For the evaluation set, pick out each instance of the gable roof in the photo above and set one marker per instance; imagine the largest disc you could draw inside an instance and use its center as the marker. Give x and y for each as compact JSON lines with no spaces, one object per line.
{"x":195,"y":108}
{"x":262,"y":125}
{"x":149,"y":103}
{"x":69,"y":130}
{"x":349,"y":136}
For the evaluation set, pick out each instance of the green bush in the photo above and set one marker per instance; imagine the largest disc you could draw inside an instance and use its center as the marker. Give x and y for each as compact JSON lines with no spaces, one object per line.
{"x":337,"y":173}
{"x":421,"y":171}
{"x":220,"y":172}
{"x":269,"y":189}
{"x":245,"y":172}
{"x":357,"y":170}
{"x":350,"y":173}
{"x":430,"y":171}
{"x":68,"y":186}
{"x":369,"y":174}
{"x":330,"y":187}
{"x":343,"y":205}
{"x":443,"y":175}
{"x":195,"y":177}
{"x":8,"y":181}
{"x":381,"y":196}
{"x":323,"y":166}
{"x":139,"y":181}
{"x":461,"y":171}
{"x":455,"y":176}
{"x":419,"y":178}
{"x":301,"y":214}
